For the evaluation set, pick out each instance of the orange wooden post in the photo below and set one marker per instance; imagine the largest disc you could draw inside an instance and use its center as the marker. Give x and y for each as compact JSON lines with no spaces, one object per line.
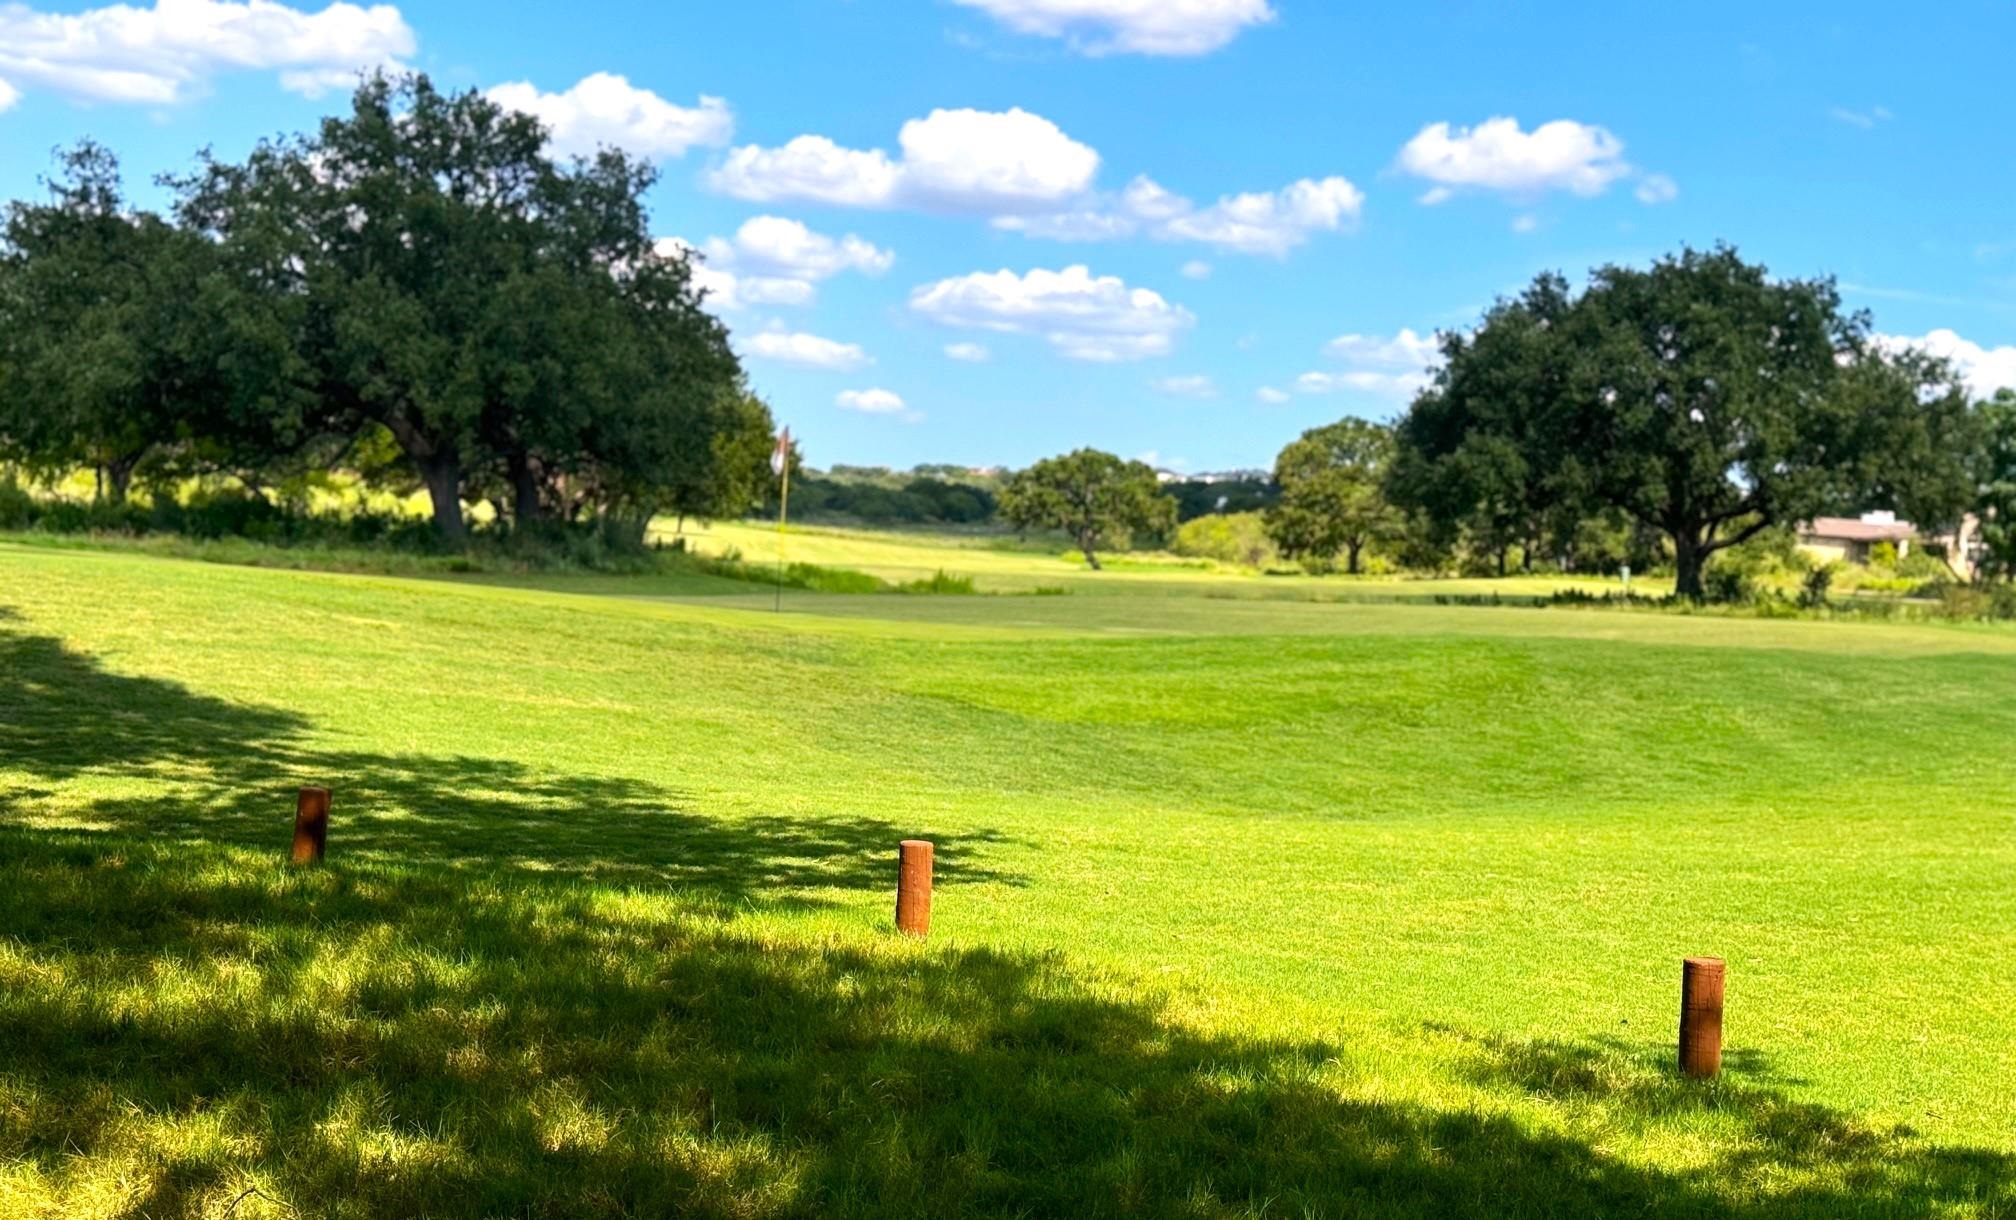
{"x":913,"y":887}
{"x":1701,"y":1016}
{"x":311,"y":825}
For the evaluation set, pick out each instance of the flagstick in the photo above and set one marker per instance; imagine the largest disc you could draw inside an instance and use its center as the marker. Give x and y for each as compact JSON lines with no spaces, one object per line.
{"x":783,"y":507}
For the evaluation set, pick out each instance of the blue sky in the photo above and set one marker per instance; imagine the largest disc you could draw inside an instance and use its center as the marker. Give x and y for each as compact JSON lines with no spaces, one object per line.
{"x":988,"y":230}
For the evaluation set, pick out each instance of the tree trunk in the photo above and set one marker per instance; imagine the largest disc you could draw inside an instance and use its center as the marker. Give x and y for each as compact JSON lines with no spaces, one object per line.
{"x":443,"y":475}
{"x":1688,"y":560}
{"x":525,"y":508}
{"x":1502,"y":552}
{"x":1351,"y":550}
{"x":1086,"y":543}
{"x":119,"y":472}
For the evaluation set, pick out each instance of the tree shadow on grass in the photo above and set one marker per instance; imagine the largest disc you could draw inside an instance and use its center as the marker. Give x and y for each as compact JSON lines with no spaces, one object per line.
{"x":389,"y":1042}
{"x":226,"y":772}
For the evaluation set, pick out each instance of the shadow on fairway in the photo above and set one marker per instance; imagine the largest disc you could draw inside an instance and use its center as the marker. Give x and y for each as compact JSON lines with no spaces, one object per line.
{"x":226,"y":773}
{"x":404,"y":1041}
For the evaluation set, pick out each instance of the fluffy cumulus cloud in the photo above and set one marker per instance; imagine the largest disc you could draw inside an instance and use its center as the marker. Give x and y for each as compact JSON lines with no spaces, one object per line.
{"x":1985,"y":369}
{"x":1271,"y":223}
{"x":1496,"y":155}
{"x":1395,"y":367}
{"x":1141,"y":27}
{"x":772,"y":260}
{"x":1258,"y":222}
{"x":605,"y":109}
{"x":970,"y":353}
{"x":870,"y":402}
{"x":806,"y":351}
{"x":975,"y":161}
{"x":162,"y":54}
{"x":1083,"y":316}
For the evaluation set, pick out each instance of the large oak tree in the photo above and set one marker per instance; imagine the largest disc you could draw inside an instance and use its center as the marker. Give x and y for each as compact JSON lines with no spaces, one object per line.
{"x":1698,"y":396}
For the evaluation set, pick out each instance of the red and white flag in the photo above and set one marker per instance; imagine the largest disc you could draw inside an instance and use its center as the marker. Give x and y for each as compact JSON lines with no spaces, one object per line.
{"x":782,"y":454}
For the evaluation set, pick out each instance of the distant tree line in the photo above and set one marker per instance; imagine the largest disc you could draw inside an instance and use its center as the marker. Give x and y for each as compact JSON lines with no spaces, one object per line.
{"x":933,"y":495}
{"x":418,"y":292}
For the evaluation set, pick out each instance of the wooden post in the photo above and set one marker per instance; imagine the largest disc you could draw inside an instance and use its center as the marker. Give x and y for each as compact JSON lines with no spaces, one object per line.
{"x":1701,"y":1016}
{"x":311,"y":825}
{"x":913,"y":887}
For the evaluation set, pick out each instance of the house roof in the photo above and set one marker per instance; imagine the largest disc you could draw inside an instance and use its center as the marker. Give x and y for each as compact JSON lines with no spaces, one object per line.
{"x":1849,"y":529}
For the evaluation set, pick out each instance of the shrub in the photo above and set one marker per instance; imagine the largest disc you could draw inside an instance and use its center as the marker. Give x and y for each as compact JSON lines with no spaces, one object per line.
{"x":1234,"y":538}
{"x":1729,"y":584}
{"x":1813,"y":589}
{"x":939,"y":583}
{"x":1976,"y":602}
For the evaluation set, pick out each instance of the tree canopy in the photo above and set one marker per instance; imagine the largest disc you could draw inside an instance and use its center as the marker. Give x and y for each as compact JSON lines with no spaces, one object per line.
{"x":1333,"y":499}
{"x":1699,"y":397}
{"x":421,"y":272}
{"x":1093,"y":496}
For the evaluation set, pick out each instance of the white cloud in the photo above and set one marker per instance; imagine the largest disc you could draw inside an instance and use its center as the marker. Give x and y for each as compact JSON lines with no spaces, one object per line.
{"x":976,"y":160}
{"x":1657,"y":188}
{"x":1196,"y":269}
{"x":1525,"y":222}
{"x":952,"y":160}
{"x":1984,"y":369}
{"x":1141,"y":27}
{"x":872,"y":402}
{"x":777,"y":246}
{"x":1271,"y":223}
{"x":1389,"y":368}
{"x":1271,"y":396}
{"x":1194,"y":385}
{"x":806,"y":351}
{"x":811,"y":168}
{"x":1496,"y":155}
{"x":1258,"y":222}
{"x":1084,"y":317}
{"x":1405,"y":350}
{"x":605,"y":109}
{"x":159,"y":55}
{"x":1364,"y":381}
{"x":971,"y":353}
{"x":775,"y":261}
{"x":8,"y":95}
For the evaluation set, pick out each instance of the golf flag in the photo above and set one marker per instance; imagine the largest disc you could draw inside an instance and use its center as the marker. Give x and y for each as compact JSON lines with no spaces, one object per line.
{"x":780,"y":465}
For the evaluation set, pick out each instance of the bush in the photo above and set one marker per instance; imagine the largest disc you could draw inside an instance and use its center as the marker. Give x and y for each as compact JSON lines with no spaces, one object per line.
{"x":1729,"y":584}
{"x":1979,"y":603}
{"x":1813,"y":589}
{"x":1232,"y":538}
{"x":1922,"y":565}
{"x":939,"y":583}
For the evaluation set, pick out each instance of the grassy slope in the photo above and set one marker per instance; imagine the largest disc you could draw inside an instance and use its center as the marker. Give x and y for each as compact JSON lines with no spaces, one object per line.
{"x":1002,"y":564}
{"x":1358,"y":905}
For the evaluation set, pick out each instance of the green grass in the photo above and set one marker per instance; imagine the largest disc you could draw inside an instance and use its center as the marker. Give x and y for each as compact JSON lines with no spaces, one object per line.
{"x":1244,"y":906}
{"x":1002,"y":564}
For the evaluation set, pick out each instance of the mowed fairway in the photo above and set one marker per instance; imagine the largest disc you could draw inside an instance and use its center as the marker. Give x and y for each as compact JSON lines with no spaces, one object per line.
{"x":1243,"y":907}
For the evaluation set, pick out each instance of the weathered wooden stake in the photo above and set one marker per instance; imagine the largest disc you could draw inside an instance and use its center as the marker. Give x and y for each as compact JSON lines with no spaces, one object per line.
{"x":913,"y":887}
{"x":311,"y":825}
{"x":1701,"y":1016}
